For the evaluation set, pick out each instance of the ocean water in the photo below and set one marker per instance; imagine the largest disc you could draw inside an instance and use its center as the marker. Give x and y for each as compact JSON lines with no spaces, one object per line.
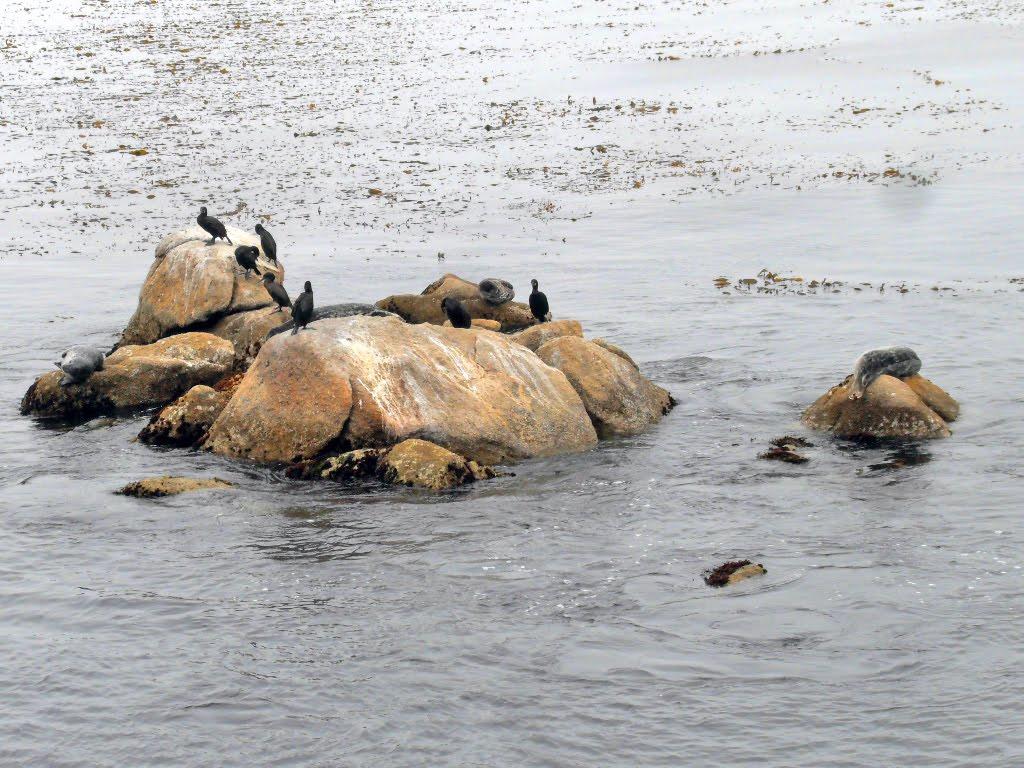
{"x":635,"y":152}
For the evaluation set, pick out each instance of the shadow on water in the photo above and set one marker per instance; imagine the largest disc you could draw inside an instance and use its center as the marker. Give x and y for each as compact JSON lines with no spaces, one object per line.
{"x":897,"y":454}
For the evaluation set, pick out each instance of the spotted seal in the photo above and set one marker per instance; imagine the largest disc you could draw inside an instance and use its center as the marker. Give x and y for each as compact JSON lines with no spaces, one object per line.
{"x":79,"y":363}
{"x":900,"y":362}
{"x":496,"y":292}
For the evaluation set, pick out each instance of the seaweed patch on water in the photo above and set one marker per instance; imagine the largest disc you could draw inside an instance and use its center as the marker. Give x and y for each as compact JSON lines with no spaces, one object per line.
{"x":770,"y":283}
{"x":785,"y":449}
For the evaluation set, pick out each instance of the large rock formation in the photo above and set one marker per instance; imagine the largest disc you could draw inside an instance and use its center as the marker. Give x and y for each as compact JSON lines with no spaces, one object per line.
{"x":247,"y":330}
{"x":187,"y":420}
{"x":134,"y":377}
{"x":538,"y":335}
{"x":889,"y":408}
{"x":192,"y":283}
{"x":619,"y":399}
{"x":426,"y":306}
{"x":373,"y":382}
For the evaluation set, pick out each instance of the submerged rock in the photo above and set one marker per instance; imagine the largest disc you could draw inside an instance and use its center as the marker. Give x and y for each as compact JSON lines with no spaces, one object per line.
{"x":186,"y":421}
{"x":619,"y":399}
{"x":732,"y":572}
{"x":134,"y":377}
{"x":192,"y":283}
{"x":166,"y":485}
{"x":372,"y":382}
{"x":426,"y":465}
{"x":426,"y":306}
{"x":538,"y":335}
{"x":889,"y":408}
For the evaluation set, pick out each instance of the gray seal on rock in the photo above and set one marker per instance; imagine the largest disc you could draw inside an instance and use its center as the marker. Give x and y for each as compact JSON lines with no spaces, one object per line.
{"x":79,"y":363}
{"x":496,"y":292}
{"x":900,"y":362}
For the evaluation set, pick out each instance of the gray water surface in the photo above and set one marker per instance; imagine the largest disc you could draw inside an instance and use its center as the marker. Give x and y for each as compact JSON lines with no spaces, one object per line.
{"x":557,"y":617}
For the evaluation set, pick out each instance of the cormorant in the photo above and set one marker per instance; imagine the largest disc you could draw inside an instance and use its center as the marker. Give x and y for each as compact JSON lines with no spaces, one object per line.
{"x":538,"y":303}
{"x":268,"y":242}
{"x":302,"y":308}
{"x":457,"y":313}
{"x":276,"y":291}
{"x":212,"y":226}
{"x":246,"y":256}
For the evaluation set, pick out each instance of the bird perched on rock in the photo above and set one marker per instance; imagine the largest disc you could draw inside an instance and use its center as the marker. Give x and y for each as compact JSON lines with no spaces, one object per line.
{"x":212,"y":226}
{"x":246,"y":256}
{"x":457,"y":313}
{"x":302,"y":308}
{"x":268,"y":242}
{"x":276,"y":291}
{"x":539,"y":303}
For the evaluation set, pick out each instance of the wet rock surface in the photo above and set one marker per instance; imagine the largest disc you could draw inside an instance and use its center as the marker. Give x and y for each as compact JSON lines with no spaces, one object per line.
{"x":619,"y":399}
{"x":134,"y":376}
{"x":426,"y":465}
{"x":372,"y":382}
{"x":890,"y":408}
{"x":540,"y":334}
{"x":166,"y":485}
{"x":191,"y":282}
{"x":186,"y":421}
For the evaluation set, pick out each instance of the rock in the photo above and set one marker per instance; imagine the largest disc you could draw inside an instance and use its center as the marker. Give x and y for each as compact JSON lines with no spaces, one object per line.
{"x":732,"y":572}
{"x":619,"y":399}
{"x":335,"y":310}
{"x":365,"y":382}
{"x":487,"y":325}
{"x":934,"y":396}
{"x":134,"y":377}
{"x":247,"y":330}
{"x":191,"y":283}
{"x":616,"y":350}
{"x":426,"y":465}
{"x":890,"y":408}
{"x":783,"y":453}
{"x":155,"y":487}
{"x":352,"y":465}
{"x":186,"y":421}
{"x":538,"y":335}
{"x":426,"y":307}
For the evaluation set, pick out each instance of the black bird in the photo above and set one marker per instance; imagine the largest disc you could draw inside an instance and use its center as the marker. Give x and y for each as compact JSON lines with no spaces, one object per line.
{"x":213,"y":226}
{"x":246,"y":256}
{"x":268,"y":242}
{"x":276,"y":291}
{"x":302,"y":309}
{"x":538,"y":303}
{"x":457,"y":313}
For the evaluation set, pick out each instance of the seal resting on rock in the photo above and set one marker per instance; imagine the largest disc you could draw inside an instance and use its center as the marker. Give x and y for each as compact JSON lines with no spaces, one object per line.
{"x":496,"y":292}
{"x":214,"y":226}
{"x":899,"y":362}
{"x":79,"y":363}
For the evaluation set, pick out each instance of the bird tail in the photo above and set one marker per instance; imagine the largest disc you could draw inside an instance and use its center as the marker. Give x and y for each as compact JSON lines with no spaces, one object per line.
{"x":256,"y":269}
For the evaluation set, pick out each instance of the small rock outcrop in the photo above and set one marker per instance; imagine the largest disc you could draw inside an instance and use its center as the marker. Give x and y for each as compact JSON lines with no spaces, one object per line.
{"x":732,"y":572}
{"x":619,"y":399}
{"x":166,"y":485}
{"x":889,"y":408}
{"x":426,"y":306}
{"x":185,"y":422}
{"x":538,"y":335}
{"x":371,"y":382}
{"x":134,"y":377}
{"x":192,"y":283}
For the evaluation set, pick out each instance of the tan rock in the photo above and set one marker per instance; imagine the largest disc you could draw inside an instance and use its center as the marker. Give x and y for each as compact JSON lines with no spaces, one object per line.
{"x":134,"y":377}
{"x":426,"y":465}
{"x":888,"y":408}
{"x":538,"y":335}
{"x":191,"y":283}
{"x":426,"y":307}
{"x":487,"y":325}
{"x":616,"y":350}
{"x":247,"y":330}
{"x":372,"y":382}
{"x":935,"y":397}
{"x":619,"y":399}
{"x":746,"y":572}
{"x":186,"y":421}
{"x":166,"y":485}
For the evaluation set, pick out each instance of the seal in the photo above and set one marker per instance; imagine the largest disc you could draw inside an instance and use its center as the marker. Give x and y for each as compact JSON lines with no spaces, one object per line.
{"x":276,"y":291}
{"x":212,"y":226}
{"x":900,"y":362}
{"x":246,"y":256}
{"x":539,"y":304}
{"x":302,"y":309}
{"x":457,"y":313}
{"x":268,"y":242}
{"x":496,"y":292}
{"x":79,"y":363}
